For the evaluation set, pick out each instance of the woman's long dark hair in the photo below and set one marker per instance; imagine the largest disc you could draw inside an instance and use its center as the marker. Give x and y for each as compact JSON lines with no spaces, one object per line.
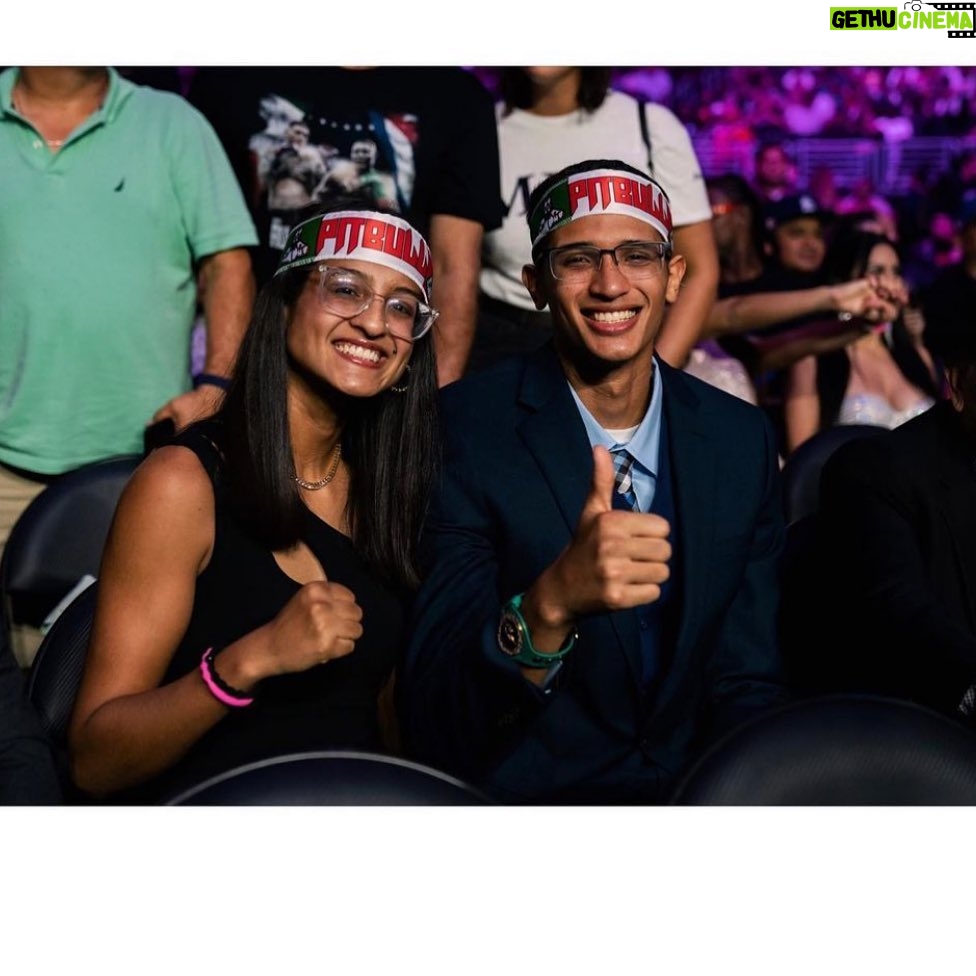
{"x":847,"y":259}
{"x":515,"y":88}
{"x":389,"y":443}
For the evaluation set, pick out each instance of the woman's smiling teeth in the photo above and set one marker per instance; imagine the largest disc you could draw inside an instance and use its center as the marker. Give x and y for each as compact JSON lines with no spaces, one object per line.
{"x":353,"y":350}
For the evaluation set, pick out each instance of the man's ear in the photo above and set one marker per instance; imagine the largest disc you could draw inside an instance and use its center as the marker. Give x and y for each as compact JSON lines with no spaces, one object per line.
{"x":532,"y":280}
{"x":676,"y":272}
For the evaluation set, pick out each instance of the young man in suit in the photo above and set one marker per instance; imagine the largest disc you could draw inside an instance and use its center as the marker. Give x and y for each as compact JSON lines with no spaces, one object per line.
{"x":584,"y":629}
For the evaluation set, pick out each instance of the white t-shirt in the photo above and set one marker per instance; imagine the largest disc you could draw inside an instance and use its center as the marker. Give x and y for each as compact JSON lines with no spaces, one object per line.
{"x":531,"y":147}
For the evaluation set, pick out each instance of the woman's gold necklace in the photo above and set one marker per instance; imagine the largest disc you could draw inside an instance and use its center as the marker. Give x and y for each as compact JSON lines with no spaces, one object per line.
{"x":316,"y":485}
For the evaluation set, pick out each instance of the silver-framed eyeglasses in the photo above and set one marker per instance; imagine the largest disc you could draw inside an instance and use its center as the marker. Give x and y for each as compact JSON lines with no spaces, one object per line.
{"x":634,"y":260}
{"x":347,"y":293}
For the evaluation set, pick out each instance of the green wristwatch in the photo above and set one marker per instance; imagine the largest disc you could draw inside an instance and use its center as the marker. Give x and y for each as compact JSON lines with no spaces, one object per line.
{"x":514,"y":640}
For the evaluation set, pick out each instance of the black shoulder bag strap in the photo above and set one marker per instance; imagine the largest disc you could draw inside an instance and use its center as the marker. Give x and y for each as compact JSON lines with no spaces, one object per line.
{"x":645,"y":132}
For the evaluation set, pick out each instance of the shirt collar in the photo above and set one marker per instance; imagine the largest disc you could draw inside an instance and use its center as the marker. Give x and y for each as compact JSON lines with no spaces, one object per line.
{"x":119,"y":89}
{"x":7,"y":80}
{"x":644,"y":445}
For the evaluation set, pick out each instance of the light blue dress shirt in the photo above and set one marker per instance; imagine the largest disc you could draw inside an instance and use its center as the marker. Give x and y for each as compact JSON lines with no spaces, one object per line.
{"x":643,"y":446}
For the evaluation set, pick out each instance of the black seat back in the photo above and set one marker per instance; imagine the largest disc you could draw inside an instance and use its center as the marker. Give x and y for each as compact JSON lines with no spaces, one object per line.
{"x":55,"y":675}
{"x":801,"y":470}
{"x":332,"y":778}
{"x":838,"y":750}
{"x":59,"y":538}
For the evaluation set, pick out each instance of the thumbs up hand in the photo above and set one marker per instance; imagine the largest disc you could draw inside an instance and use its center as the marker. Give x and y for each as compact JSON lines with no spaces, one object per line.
{"x":600,"y":497}
{"x":615,"y":560}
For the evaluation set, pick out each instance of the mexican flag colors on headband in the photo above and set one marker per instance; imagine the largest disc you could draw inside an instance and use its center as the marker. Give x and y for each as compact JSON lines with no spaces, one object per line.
{"x":601,"y":191}
{"x":360,"y":235}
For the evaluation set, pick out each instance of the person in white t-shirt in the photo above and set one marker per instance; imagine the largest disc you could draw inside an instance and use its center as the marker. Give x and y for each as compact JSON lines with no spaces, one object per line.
{"x":549,"y":117}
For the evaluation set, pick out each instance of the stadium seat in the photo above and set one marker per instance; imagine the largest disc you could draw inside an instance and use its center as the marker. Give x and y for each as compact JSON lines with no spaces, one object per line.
{"x":332,"y":779}
{"x":838,"y":750}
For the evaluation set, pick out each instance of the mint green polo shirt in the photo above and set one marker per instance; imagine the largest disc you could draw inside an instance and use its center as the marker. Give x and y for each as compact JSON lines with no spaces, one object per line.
{"x":98,"y":244}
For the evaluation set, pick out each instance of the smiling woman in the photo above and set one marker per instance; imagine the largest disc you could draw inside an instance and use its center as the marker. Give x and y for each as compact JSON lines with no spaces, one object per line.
{"x":251,"y":598}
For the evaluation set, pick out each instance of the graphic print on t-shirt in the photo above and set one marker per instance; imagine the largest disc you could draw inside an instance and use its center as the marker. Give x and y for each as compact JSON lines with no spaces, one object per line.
{"x":302,"y":158}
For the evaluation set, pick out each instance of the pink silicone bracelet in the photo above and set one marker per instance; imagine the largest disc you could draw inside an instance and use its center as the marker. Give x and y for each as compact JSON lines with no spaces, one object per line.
{"x":232,"y":701}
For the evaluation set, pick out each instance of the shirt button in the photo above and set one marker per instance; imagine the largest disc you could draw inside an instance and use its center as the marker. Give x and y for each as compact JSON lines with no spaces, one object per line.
{"x":38,"y":144}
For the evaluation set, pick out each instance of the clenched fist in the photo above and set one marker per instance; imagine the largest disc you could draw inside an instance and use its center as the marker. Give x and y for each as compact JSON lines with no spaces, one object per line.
{"x":320,"y":622}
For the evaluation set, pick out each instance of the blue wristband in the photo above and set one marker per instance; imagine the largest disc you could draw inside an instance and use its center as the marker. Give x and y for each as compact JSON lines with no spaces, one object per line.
{"x":210,"y":379}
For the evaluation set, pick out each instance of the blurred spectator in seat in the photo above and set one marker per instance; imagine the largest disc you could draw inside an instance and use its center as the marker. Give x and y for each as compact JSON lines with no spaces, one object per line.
{"x":796,"y":228}
{"x":737,"y":225}
{"x":765,"y":318}
{"x":887,"y":376}
{"x":738,"y":238}
{"x":873,"y":210}
{"x":775,"y":172}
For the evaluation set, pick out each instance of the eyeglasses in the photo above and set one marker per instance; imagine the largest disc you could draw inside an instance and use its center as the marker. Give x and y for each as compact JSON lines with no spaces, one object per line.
{"x":579,"y":262}
{"x":347,"y":293}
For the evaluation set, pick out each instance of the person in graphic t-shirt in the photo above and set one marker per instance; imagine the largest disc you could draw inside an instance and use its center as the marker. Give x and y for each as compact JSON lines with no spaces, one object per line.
{"x":358,"y":176}
{"x":421,"y":141}
{"x":296,"y":171}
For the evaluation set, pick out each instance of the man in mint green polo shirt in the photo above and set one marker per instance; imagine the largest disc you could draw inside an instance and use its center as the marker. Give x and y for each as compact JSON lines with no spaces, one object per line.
{"x":117,"y":199}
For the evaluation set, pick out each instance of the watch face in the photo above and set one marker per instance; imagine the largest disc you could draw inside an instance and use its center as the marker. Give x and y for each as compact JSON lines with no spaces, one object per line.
{"x":509,"y":634}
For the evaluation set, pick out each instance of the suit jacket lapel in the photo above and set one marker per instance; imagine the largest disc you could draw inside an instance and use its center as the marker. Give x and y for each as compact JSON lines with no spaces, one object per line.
{"x":693,"y":477}
{"x":554,"y":434}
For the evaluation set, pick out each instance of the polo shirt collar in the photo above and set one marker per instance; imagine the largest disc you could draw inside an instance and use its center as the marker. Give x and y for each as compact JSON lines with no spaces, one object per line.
{"x":7,"y":81}
{"x":119,"y":89}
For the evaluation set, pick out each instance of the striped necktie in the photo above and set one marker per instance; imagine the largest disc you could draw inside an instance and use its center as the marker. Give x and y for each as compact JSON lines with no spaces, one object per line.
{"x":623,"y":462}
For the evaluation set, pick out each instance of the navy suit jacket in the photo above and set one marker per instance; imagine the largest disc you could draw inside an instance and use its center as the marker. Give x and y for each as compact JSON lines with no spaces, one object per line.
{"x":898,"y":521}
{"x":517,"y":468}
